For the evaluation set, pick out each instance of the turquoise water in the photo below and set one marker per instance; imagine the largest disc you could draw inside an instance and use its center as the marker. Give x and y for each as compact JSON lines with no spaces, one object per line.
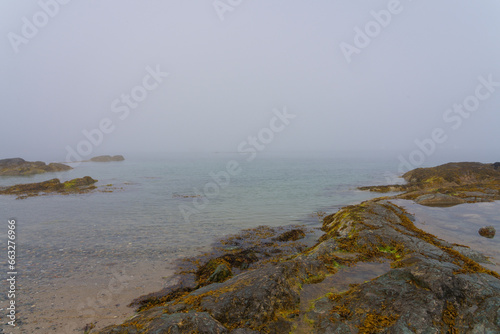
{"x":145,"y":204}
{"x":141,"y":219}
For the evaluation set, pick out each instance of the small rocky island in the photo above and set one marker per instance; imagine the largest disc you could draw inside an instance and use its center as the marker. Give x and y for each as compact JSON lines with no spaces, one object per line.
{"x":267,"y":283}
{"x":449,"y":184}
{"x":75,"y":186}
{"x":107,"y":158}
{"x":21,"y":167}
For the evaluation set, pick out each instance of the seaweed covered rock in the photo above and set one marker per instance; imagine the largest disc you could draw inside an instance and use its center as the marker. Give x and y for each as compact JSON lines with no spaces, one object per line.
{"x":196,"y":322}
{"x":231,"y":256}
{"x":457,"y":173}
{"x":21,"y":167}
{"x":79,"y":185}
{"x":107,"y":158}
{"x":433,"y":286}
{"x":423,"y":296}
{"x":291,"y":235}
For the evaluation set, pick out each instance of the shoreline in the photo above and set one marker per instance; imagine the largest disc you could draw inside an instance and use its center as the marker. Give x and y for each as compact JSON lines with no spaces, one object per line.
{"x":309,"y":287}
{"x":273,"y":295}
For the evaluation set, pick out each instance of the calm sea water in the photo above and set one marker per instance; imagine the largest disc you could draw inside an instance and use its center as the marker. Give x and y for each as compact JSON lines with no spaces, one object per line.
{"x":145,"y":206}
{"x":144,"y":213}
{"x":142,"y":219}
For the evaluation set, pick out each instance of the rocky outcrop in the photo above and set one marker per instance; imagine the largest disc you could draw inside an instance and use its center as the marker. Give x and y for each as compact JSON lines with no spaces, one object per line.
{"x":79,"y":185}
{"x":434,"y":286}
{"x":431,"y":286}
{"x":21,"y":167}
{"x":487,"y":232}
{"x":107,"y":158}
{"x":449,"y":184}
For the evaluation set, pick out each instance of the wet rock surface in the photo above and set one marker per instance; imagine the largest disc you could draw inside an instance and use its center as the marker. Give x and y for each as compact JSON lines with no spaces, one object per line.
{"x":21,"y":167}
{"x":418,"y":284}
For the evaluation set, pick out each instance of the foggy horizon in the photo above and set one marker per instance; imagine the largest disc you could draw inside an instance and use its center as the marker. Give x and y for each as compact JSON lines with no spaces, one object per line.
{"x":183,"y":77}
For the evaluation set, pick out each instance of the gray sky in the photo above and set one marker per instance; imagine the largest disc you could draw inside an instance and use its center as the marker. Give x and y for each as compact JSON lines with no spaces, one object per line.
{"x":229,"y":68}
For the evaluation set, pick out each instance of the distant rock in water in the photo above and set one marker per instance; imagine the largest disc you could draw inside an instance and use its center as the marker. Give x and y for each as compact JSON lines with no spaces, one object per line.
{"x":78,"y":186}
{"x":496,"y":165}
{"x":487,"y":232}
{"x":21,"y":167}
{"x":107,"y":158}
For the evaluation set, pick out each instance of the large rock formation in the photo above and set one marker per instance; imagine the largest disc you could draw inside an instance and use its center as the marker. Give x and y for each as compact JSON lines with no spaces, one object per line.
{"x":107,"y":158}
{"x":21,"y":167}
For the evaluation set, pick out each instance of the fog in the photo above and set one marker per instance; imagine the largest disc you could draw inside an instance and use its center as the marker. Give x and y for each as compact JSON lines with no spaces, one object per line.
{"x":123,"y":76}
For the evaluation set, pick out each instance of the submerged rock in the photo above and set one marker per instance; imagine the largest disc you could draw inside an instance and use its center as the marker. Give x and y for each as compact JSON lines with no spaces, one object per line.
{"x":438,"y":200}
{"x":21,"y":167}
{"x":107,"y":158}
{"x":488,"y":232}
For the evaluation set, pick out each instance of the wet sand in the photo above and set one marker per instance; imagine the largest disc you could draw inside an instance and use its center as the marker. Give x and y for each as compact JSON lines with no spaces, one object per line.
{"x":67,"y":304}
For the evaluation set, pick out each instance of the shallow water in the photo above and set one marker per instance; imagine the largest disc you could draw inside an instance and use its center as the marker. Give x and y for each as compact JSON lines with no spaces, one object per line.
{"x":460,"y":224}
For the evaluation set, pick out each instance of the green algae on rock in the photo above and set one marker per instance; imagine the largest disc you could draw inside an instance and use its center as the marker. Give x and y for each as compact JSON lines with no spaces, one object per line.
{"x":21,"y":167}
{"x":75,"y":186}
